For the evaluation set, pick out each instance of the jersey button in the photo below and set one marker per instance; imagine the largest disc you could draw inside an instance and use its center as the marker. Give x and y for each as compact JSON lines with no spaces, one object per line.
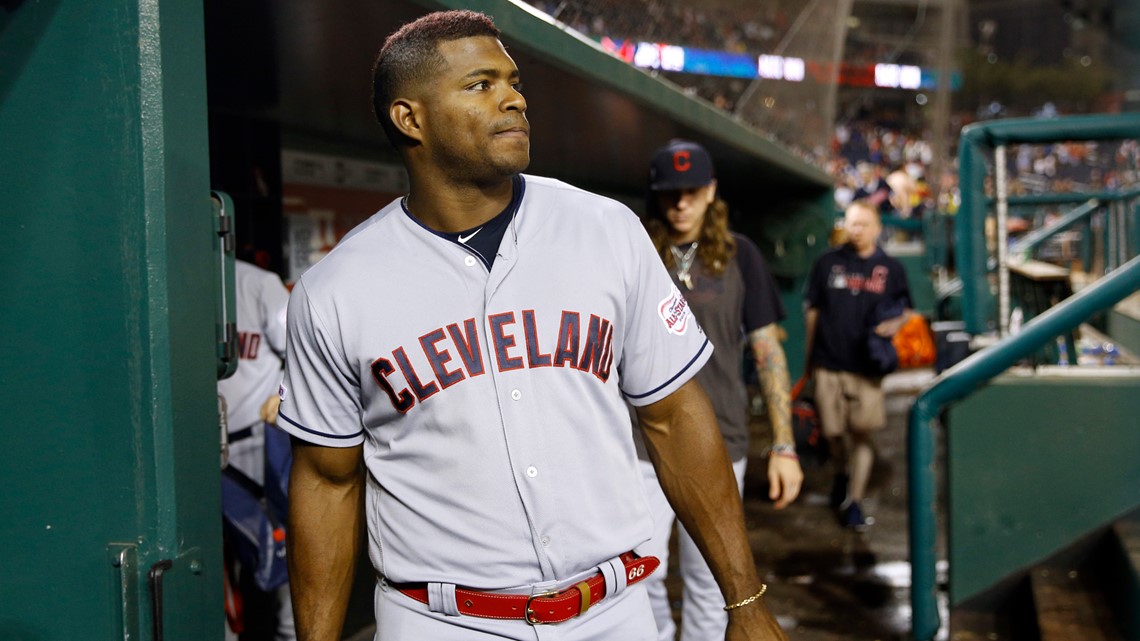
{"x":515,"y":394}
{"x":469,"y":261}
{"x":545,"y":541}
{"x":532,"y":471}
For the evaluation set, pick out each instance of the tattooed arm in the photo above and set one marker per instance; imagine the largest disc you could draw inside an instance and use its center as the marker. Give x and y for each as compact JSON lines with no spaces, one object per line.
{"x":784,"y":474}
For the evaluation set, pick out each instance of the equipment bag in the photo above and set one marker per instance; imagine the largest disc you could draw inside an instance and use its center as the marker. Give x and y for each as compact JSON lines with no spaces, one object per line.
{"x":810,"y":442}
{"x":254,"y":516}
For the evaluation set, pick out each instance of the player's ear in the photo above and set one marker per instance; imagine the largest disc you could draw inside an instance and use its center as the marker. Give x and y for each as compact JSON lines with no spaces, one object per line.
{"x":405,"y":114}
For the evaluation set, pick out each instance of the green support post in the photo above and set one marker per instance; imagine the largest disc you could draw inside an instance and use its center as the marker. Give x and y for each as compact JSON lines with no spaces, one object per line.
{"x":1134,"y":228}
{"x":111,"y":499}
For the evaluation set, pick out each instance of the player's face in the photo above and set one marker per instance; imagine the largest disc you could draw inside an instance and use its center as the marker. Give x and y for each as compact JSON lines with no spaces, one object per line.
{"x":685,"y":210}
{"x":475,"y":125}
{"x":862,"y":226}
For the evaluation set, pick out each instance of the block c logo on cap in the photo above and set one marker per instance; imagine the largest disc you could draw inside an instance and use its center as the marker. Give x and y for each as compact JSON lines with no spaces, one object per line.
{"x":682,"y":160}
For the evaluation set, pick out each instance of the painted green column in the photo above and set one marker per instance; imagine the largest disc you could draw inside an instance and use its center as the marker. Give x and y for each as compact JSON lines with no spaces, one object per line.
{"x":110,"y":458}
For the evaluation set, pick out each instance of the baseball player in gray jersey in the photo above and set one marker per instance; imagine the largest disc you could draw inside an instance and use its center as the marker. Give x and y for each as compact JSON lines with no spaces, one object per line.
{"x":463,"y":359}
{"x":261,"y":301}
{"x":251,"y":402}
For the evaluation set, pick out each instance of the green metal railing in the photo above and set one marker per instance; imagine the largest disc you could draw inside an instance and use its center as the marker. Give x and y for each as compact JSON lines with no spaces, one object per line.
{"x":957,"y":383}
{"x":1025,"y":246}
{"x":1120,"y":228}
{"x":976,"y":144}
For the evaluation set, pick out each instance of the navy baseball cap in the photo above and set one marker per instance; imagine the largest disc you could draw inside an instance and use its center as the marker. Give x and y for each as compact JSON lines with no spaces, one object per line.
{"x":681,"y":164}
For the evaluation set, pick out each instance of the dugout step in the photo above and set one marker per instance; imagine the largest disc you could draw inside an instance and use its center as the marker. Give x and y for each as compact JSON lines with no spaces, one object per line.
{"x":1121,"y":565}
{"x":1002,"y":613}
{"x":1089,"y":591}
{"x":1070,"y":605}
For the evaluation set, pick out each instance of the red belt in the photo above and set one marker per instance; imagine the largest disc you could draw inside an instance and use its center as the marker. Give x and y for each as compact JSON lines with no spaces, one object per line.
{"x":554,"y":607}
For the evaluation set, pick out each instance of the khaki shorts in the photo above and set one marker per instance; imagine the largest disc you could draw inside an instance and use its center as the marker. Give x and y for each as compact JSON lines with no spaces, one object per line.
{"x":847,"y":401}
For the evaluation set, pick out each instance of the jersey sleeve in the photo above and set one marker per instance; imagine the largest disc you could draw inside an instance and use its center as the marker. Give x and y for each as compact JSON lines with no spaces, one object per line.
{"x":319,"y":396}
{"x":762,"y":304}
{"x":663,"y":345}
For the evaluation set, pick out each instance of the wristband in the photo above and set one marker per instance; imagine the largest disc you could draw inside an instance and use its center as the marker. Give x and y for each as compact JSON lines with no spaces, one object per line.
{"x":784,"y":449}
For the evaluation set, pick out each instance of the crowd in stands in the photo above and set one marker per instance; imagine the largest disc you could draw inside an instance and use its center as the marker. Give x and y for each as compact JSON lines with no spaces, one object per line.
{"x":1073,"y":167}
{"x":883,"y":165}
{"x":865,"y":158}
{"x":751,"y":27}
{"x":754,"y":28}
{"x":868,"y":159}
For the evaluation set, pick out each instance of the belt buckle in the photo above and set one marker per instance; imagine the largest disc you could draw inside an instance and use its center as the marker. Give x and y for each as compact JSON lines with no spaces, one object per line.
{"x":529,"y":614}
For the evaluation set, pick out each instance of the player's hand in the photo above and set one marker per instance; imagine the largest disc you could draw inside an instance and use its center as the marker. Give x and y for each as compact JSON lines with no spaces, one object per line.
{"x":891,"y":326}
{"x":785,"y":478}
{"x":753,"y":622}
{"x":269,"y":409}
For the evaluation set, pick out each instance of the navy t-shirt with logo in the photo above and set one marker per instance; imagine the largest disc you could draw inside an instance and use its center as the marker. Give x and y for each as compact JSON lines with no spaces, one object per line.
{"x":846,"y":289}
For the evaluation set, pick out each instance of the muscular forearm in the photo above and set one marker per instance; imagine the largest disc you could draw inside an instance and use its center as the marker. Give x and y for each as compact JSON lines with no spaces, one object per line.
{"x":696,"y":476}
{"x":692,"y":466}
{"x":772,"y":370}
{"x":325,"y":491}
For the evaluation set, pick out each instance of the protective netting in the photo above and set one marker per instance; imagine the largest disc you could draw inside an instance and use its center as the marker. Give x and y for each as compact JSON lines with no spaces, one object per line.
{"x":802,"y":113}
{"x":801,"y":43}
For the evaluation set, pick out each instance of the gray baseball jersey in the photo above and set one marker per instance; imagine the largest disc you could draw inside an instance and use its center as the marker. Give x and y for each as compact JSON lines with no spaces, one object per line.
{"x":490,"y":404}
{"x":262,"y":301}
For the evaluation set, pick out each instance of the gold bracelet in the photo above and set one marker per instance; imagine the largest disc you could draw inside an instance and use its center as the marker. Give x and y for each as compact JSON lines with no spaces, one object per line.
{"x":741,"y":604}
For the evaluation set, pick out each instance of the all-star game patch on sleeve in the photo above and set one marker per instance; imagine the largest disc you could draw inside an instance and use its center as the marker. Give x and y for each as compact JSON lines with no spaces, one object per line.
{"x":319,"y":393}
{"x":664,"y":346}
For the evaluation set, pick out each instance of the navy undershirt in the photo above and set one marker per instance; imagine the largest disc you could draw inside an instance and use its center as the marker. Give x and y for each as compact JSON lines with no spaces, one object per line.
{"x":482,"y":241}
{"x":485,"y":239}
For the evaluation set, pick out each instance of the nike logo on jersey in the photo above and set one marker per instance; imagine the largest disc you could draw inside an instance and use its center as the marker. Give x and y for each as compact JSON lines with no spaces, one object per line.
{"x":464,"y":239}
{"x":514,"y":348}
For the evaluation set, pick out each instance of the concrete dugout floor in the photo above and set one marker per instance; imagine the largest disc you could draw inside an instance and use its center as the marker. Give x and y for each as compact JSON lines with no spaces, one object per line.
{"x":827,"y":583}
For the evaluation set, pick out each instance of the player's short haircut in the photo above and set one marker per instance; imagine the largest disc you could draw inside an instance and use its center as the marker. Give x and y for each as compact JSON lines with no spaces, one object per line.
{"x":411,"y":55}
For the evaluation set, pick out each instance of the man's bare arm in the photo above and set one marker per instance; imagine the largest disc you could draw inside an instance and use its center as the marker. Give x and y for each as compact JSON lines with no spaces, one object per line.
{"x":784,"y":474}
{"x":326,"y":487}
{"x":891,"y":326}
{"x":687,"y":451}
{"x":811,"y":318}
{"x":772,"y":370}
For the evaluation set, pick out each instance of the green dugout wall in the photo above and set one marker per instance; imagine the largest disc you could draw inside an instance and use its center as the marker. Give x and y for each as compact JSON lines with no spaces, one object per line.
{"x":109,"y":466}
{"x":1027,"y":477}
